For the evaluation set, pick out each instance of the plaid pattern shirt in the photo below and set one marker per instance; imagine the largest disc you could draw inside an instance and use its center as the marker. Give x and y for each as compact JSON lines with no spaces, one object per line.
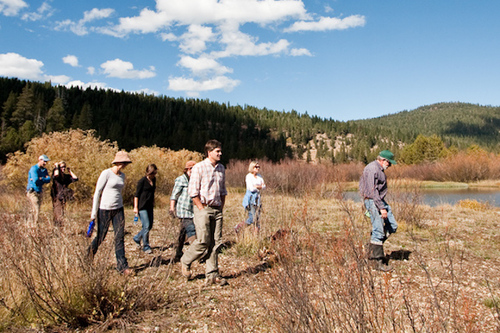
{"x":208,"y":182}
{"x":184,"y":203}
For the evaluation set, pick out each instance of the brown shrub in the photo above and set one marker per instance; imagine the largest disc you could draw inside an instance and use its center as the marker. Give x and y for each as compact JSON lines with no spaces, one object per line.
{"x":84,"y":153}
{"x":294,"y":177}
{"x":88,"y":156}
{"x":170,"y":165}
{"x":469,"y":166}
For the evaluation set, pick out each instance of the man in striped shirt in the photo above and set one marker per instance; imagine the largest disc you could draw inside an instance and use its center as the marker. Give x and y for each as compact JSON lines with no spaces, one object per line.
{"x":207,"y":188}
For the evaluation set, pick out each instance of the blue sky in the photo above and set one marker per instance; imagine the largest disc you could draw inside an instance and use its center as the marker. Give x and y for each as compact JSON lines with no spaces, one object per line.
{"x":339,"y":59}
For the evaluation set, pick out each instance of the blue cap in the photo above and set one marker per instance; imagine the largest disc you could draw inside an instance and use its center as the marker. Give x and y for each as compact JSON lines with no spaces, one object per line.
{"x":44,"y":157}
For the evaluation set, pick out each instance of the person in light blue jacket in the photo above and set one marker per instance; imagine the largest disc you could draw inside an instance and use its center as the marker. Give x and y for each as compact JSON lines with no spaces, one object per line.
{"x":37,"y":176}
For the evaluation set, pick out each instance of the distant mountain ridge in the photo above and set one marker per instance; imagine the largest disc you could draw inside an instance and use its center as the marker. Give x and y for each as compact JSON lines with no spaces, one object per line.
{"x":461,"y":123}
{"x":29,"y":109}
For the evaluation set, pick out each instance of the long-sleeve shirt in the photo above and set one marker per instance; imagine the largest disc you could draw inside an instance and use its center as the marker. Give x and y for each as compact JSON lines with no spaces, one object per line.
{"x":373,"y":184}
{"x":37,"y":176}
{"x":184,"y":203}
{"x":208,"y":182}
{"x":108,"y":192}
{"x":145,"y":193}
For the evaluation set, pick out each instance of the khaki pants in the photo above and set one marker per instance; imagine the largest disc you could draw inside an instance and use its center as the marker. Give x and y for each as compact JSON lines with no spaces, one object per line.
{"x":208,"y":224}
{"x":36,"y":201}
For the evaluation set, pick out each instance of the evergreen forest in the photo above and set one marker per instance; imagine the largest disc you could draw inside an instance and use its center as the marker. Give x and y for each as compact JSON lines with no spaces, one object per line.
{"x":29,"y":109}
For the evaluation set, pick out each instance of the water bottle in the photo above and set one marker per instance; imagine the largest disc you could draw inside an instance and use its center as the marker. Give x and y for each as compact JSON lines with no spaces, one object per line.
{"x":136,"y":218}
{"x":90,"y":229}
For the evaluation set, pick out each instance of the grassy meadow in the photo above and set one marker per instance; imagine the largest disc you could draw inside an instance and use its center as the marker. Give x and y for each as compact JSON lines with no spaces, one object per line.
{"x":306,"y":271}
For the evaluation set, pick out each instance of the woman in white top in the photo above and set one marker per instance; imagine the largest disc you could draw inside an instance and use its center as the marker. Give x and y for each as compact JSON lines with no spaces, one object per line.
{"x":108,"y":206}
{"x":252,"y":200}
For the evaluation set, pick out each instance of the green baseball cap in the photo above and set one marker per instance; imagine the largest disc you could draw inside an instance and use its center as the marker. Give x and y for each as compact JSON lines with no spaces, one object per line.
{"x":388,"y":156}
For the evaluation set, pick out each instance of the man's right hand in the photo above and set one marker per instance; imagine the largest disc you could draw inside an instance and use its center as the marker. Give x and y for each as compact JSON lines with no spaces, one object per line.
{"x":383,"y":212}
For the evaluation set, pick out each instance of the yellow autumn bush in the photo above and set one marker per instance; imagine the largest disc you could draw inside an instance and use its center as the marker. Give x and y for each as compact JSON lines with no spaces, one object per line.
{"x":87,"y":156}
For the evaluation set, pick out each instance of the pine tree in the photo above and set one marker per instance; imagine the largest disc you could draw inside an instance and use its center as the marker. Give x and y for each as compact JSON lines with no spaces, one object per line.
{"x":55,"y":116}
{"x":25,"y":108}
{"x":85,"y":118}
{"x":8,"y":108}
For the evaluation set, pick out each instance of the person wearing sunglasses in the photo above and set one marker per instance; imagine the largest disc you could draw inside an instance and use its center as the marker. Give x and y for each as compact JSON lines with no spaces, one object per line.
{"x":252,"y":199}
{"x":62,"y":177}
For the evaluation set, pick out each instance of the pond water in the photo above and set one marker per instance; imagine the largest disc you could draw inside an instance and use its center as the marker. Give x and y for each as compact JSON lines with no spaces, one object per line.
{"x":436,"y":197}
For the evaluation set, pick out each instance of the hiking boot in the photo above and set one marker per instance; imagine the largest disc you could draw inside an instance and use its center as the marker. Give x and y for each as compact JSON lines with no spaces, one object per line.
{"x":186,"y":271}
{"x":215,"y":279}
{"x":148,"y":250}
{"x":137,"y":243}
{"x":379,"y":265}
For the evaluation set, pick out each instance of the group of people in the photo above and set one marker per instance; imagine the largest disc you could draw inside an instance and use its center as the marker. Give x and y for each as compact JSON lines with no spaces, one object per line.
{"x":197,"y":200}
{"x":62,"y":176}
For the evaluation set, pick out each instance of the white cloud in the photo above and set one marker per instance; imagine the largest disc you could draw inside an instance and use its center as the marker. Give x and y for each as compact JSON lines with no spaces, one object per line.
{"x":205,"y":31}
{"x":11,"y":7}
{"x":44,"y":11}
{"x":90,"y":70}
{"x":15,"y":65}
{"x":238,"y":43}
{"x":195,"y":39}
{"x":57,"y":79}
{"x":125,"y":70}
{"x":205,"y":12}
{"x":79,"y":28}
{"x":146,"y":91}
{"x":300,"y":52}
{"x":203,"y":66}
{"x":71,"y":60}
{"x":193,"y":86}
{"x":328,"y":23}
{"x":168,"y":36}
{"x":83,"y":85}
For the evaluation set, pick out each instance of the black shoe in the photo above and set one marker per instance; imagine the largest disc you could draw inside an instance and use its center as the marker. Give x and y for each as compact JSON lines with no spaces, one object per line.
{"x":379,"y":265}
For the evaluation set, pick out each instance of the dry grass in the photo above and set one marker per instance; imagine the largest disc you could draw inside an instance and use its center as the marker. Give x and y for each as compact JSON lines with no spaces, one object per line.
{"x":311,"y":276}
{"x":305,"y":272}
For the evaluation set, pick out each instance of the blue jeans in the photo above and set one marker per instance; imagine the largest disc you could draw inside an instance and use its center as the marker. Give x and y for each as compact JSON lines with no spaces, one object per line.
{"x":146,"y":217}
{"x":104,"y":218}
{"x":186,"y":230}
{"x":253,"y":215}
{"x":381,"y":228}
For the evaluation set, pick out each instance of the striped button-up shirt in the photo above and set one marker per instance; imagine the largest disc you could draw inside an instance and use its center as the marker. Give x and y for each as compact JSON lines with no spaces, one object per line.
{"x":184,"y":203}
{"x":208,"y":182}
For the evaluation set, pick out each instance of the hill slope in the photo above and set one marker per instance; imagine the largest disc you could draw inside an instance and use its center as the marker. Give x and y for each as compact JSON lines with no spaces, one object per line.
{"x":29,"y":109}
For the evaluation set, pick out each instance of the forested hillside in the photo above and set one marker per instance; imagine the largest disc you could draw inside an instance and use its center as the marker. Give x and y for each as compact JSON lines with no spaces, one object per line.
{"x":29,"y":109}
{"x":458,"y":124}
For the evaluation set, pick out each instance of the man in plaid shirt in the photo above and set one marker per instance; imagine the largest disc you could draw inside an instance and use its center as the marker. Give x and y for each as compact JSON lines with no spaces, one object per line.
{"x":207,"y":188}
{"x":181,"y":206}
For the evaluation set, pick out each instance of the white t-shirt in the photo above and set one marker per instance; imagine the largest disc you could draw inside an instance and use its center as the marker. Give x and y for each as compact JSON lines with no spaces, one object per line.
{"x":253,"y":181}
